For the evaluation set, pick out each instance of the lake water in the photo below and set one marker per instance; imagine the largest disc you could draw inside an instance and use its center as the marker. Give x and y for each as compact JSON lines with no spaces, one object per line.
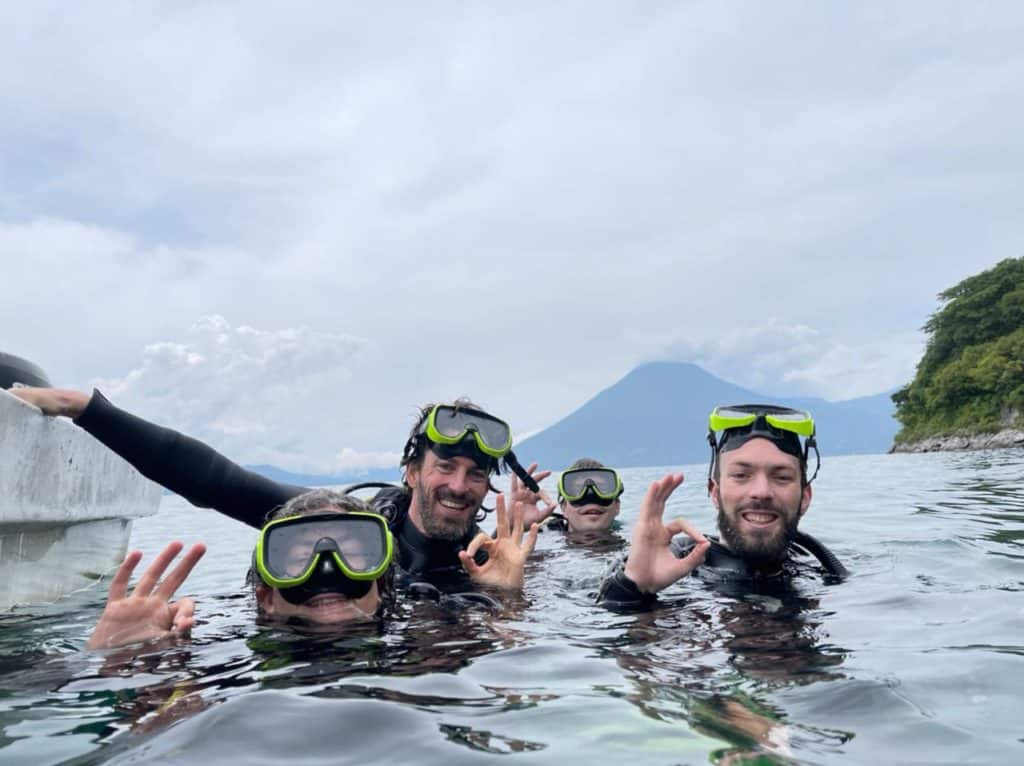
{"x":917,"y":658}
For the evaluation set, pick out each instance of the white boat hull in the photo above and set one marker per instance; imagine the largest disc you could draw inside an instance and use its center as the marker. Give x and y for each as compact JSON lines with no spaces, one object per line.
{"x":66,"y":505}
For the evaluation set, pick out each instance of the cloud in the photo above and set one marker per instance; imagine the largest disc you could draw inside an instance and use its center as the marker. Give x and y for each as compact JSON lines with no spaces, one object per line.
{"x":519,"y":206}
{"x":780,"y":359}
{"x":260,"y":396}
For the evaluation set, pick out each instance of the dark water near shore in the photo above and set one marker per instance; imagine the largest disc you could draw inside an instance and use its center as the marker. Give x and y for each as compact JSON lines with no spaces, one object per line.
{"x":918,"y":658}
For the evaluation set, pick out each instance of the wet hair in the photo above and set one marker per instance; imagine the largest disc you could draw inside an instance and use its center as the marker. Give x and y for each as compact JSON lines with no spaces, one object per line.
{"x":417,"y":443}
{"x":321,"y":501}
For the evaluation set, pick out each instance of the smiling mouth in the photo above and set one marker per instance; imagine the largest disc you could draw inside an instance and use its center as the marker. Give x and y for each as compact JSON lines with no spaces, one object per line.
{"x":592,"y":512}
{"x":759,"y":518}
{"x":327,"y":599}
{"x":456,"y":506}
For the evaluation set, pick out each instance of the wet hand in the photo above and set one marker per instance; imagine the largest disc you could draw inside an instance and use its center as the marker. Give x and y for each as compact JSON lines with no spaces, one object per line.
{"x":148,"y":612}
{"x":53,"y":401}
{"x":652,"y":565}
{"x":507,"y":551}
{"x":537,"y":506}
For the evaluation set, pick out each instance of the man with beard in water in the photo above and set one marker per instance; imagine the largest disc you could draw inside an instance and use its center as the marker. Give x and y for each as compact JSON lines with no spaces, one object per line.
{"x":448,"y":459}
{"x":323,"y":558}
{"x":758,"y":482}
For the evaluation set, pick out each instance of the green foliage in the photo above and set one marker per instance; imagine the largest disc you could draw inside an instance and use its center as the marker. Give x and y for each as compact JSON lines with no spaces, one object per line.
{"x":971,"y":377}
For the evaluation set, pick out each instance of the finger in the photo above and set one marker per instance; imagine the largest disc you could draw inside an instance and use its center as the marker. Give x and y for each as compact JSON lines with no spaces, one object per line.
{"x":476,"y":542}
{"x":651,"y":509}
{"x":152,"y":575}
{"x":691,"y":560}
{"x":119,"y":583}
{"x":517,"y":522}
{"x":466,"y":558}
{"x":514,"y":485}
{"x":680,"y":525}
{"x":177,"y":576}
{"x":551,"y":504}
{"x":531,"y":540}
{"x":183,"y":611}
{"x":499,"y":510}
{"x":667,"y":485}
{"x":540,"y":475}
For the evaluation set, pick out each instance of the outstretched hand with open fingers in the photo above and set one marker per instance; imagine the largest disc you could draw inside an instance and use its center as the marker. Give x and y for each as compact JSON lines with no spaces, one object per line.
{"x":537,"y":506}
{"x":507,"y":551}
{"x":148,"y":612}
{"x":652,"y":565}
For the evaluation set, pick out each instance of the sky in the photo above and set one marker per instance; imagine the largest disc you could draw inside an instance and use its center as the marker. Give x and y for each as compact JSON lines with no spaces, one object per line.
{"x":282,"y":227}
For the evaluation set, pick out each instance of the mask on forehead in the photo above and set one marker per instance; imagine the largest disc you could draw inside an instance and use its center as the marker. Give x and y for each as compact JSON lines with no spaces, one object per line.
{"x":787,"y":441}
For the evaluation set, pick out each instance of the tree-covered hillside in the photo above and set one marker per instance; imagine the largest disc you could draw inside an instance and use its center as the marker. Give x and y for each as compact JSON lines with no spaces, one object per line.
{"x":971,"y":377}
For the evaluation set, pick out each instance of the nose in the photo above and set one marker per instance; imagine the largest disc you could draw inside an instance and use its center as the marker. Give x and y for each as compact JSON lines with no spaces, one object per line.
{"x":759,"y":485}
{"x":457,"y":481}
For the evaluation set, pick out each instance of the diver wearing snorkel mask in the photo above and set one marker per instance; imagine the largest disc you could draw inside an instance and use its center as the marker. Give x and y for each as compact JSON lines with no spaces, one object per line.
{"x":588,"y":497}
{"x":758,"y":483}
{"x":448,"y":460}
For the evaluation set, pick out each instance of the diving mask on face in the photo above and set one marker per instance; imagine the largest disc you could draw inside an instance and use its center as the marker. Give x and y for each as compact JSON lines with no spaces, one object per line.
{"x":603,"y":485}
{"x":289,"y":551}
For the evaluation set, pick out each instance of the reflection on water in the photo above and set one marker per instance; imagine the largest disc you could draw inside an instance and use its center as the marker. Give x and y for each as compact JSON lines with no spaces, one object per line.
{"x":917,"y":658}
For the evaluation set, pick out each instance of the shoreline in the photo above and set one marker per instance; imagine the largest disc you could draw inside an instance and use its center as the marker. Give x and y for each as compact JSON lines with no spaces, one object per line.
{"x":1007,"y":438}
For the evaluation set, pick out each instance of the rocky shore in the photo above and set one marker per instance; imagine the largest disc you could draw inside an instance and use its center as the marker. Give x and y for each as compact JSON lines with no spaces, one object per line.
{"x":1008,"y":437}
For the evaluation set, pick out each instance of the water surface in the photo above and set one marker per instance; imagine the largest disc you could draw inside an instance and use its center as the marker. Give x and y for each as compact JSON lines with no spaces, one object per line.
{"x":917,"y":658}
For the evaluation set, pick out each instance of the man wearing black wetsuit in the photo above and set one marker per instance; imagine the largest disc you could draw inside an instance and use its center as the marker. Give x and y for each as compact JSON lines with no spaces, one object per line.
{"x":433,"y":516}
{"x":758,"y":483}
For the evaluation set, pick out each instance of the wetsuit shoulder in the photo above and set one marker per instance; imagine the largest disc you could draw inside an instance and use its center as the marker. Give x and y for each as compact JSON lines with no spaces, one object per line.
{"x":184,"y":465}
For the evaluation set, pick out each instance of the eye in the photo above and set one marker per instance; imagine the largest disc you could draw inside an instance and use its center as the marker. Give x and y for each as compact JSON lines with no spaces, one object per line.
{"x":478,"y":476}
{"x":445,"y":466}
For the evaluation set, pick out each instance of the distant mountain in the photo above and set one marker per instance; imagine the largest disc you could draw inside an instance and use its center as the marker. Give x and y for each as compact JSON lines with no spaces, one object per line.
{"x":322,"y":480}
{"x":658,"y":415}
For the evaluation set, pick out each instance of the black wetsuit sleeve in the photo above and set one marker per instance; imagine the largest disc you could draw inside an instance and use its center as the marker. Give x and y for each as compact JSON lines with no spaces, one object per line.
{"x":185,"y":465}
{"x":619,"y":592}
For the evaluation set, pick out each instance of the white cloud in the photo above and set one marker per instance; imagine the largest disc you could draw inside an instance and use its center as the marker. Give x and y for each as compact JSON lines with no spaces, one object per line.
{"x":517,"y":205}
{"x":260,"y":396}
{"x":781,"y":359}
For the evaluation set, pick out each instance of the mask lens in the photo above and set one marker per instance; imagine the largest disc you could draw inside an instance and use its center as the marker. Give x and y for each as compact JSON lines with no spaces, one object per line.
{"x":291,"y":547}
{"x":455,"y":424}
{"x":603,"y":480}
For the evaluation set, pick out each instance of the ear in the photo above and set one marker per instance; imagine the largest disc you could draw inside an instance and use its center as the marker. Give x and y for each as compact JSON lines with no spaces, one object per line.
{"x":805,"y":501}
{"x":716,"y":500}
{"x":265,"y":598}
{"x":412,"y":474}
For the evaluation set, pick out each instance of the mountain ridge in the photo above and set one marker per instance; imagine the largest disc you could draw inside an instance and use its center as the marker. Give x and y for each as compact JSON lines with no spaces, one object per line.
{"x":657,"y":415}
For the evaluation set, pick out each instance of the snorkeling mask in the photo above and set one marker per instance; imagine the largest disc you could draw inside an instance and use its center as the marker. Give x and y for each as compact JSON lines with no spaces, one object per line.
{"x":601,"y":486}
{"x":304,"y":556}
{"x":783,"y":426}
{"x":449,"y":429}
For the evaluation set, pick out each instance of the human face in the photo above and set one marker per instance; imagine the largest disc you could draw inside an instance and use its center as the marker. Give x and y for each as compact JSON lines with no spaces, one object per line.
{"x":759,"y":500}
{"x":589,"y":517}
{"x":322,"y":609}
{"x":446,"y":494}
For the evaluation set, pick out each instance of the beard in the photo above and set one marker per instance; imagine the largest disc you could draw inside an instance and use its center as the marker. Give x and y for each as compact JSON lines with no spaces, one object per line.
{"x":759,"y":547}
{"x":443,"y":527}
